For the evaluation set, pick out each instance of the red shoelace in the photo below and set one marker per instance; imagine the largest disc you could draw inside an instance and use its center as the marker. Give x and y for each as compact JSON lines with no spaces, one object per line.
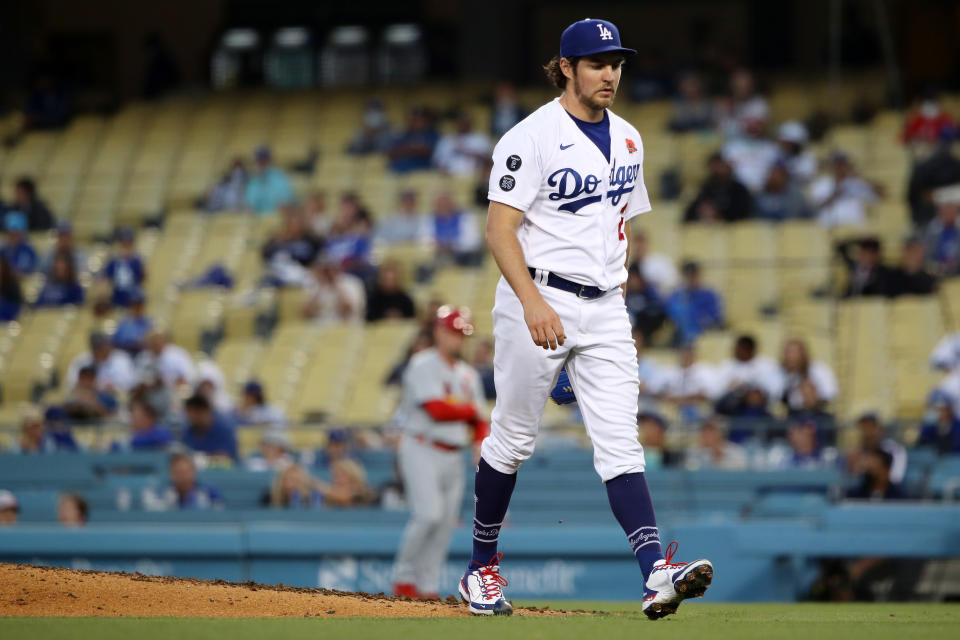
{"x":490,"y":579}
{"x":668,"y":556}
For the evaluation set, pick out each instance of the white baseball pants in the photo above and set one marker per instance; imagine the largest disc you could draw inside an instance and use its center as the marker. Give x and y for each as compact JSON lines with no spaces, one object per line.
{"x":601,"y":363}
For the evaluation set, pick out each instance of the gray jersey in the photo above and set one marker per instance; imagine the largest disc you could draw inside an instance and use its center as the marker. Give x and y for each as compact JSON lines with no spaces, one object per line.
{"x":429,"y":377}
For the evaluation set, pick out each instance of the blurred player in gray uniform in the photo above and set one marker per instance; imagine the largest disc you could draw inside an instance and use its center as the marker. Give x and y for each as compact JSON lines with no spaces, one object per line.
{"x":442,"y":409}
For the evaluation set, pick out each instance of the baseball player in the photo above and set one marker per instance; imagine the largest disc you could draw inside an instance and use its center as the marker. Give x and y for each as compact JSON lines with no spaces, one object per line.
{"x":441,"y":408}
{"x":565,"y":183}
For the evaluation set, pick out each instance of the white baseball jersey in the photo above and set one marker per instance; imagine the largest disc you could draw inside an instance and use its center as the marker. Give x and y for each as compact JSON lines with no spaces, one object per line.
{"x":574,"y":201}
{"x":429,"y":377}
{"x":946,"y":354}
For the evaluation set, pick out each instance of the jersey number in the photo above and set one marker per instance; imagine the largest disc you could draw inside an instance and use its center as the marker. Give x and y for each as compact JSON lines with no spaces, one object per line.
{"x":620,"y":230}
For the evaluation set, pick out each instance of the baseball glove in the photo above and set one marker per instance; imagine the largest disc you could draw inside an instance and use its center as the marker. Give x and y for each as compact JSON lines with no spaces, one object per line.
{"x":563,"y":392}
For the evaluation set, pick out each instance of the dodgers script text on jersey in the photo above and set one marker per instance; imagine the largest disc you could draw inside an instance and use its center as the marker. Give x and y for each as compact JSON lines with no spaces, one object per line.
{"x":575,"y":201}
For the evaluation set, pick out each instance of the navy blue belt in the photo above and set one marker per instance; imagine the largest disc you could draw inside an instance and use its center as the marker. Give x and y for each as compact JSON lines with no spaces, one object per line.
{"x":581,"y":290}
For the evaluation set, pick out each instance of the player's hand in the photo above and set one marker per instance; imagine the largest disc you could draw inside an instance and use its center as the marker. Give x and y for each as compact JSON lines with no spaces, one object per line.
{"x":544,"y":324}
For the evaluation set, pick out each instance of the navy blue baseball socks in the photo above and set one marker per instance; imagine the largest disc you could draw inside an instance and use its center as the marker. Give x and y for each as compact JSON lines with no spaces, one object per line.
{"x":665,"y":583}
{"x":631,"y":504}
{"x":482,"y":585}
{"x":491,"y":498}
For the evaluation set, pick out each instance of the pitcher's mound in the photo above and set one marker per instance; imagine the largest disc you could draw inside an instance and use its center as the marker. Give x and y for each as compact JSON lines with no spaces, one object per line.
{"x":27,"y":590}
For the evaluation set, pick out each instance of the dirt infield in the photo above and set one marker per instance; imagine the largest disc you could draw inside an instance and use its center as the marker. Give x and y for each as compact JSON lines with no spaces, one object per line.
{"x":27,"y":590}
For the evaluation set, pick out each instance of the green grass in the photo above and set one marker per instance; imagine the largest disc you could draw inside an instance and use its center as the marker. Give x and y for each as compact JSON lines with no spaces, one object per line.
{"x":621,"y":621}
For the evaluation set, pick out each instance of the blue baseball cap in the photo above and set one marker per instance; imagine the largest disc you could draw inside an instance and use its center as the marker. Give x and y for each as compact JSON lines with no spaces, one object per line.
{"x":15,"y":221}
{"x":588,"y":37}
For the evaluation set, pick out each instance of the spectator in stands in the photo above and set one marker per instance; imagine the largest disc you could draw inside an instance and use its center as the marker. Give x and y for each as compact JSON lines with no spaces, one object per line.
{"x":408,"y":225}
{"x":115,"y":370}
{"x":148,"y":434}
{"x":800,"y":162}
{"x":841,"y":197}
{"x":275,"y":452}
{"x":348,"y":487}
{"x":26,"y":201}
{"x":746,"y":368}
{"x":781,"y":198}
{"x":803,"y":450}
{"x":867,"y":275}
{"x":317,"y":217}
{"x":352,"y":246}
{"x":9,"y":508}
{"x":482,"y":361}
{"x":927,"y":123}
{"x":871,"y":436}
{"x":337,"y":448}
{"x":743,"y":103}
{"x":16,"y":248}
{"x":150,"y":386}
{"x":942,"y":235}
{"x":254,"y":410}
{"x":644,"y":305}
{"x":33,"y":434}
{"x":229,"y":192}
{"x":183,"y":492}
{"x":796,"y":368}
{"x":11,"y":296}
{"x":454,"y":232}
{"x":207,"y":431}
{"x":72,"y":510}
{"x":876,"y":482}
{"x":752,"y":153}
{"x":692,"y":110}
{"x":170,"y":361}
{"x":85,"y":401}
{"x":941,"y":426}
{"x":657,"y":269}
{"x":911,"y":277}
{"x":462,"y":152}
{"x":653,"y":435}
{"x":334,"y":295}
{"x":134,"y":327}
{"x":125,"y":269}
{"x":62,"y":287}
{"x":65,"y":244}
{"x":294,"y":488}
{"x":693,"y":308}
{"x":722,"y":198}
{"x":412,"y":149}
{"x":292,"y":249}
{"x":374,"y":133}
{"x":946,"y":354}
{"x":507,"y":111}
{"x":212,"y":384}
{"x":268,"y":187}
{"x":388,"y":299}
{"x":715,"y":451}
{"x":57,"y":426}
{"x":940,"y":169}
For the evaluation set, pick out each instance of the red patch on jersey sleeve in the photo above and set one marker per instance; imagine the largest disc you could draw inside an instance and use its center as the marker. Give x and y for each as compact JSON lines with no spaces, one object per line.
{"x":631,"y":147}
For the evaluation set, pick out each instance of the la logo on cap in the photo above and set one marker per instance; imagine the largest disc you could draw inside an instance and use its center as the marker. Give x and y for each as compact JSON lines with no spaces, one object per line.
{"x":604,"y":32}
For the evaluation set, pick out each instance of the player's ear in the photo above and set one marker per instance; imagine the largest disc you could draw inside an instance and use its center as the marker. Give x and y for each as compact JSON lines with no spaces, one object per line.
{"x":566,"y":67}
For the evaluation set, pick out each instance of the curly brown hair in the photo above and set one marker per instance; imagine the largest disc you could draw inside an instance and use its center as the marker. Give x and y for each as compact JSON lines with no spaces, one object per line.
{"x":555,"y":73}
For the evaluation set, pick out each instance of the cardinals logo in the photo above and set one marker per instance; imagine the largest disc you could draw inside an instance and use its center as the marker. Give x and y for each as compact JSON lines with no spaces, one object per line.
{"x":631,"y":147}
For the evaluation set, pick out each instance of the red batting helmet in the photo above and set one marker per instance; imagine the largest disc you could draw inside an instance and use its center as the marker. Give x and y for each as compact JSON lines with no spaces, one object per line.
{"x":456,"y":319}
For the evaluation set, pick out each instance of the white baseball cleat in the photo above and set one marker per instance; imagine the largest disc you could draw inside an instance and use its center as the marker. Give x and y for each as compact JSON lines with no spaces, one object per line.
{"x":670,"y":584}
{"x":482,"y":590}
